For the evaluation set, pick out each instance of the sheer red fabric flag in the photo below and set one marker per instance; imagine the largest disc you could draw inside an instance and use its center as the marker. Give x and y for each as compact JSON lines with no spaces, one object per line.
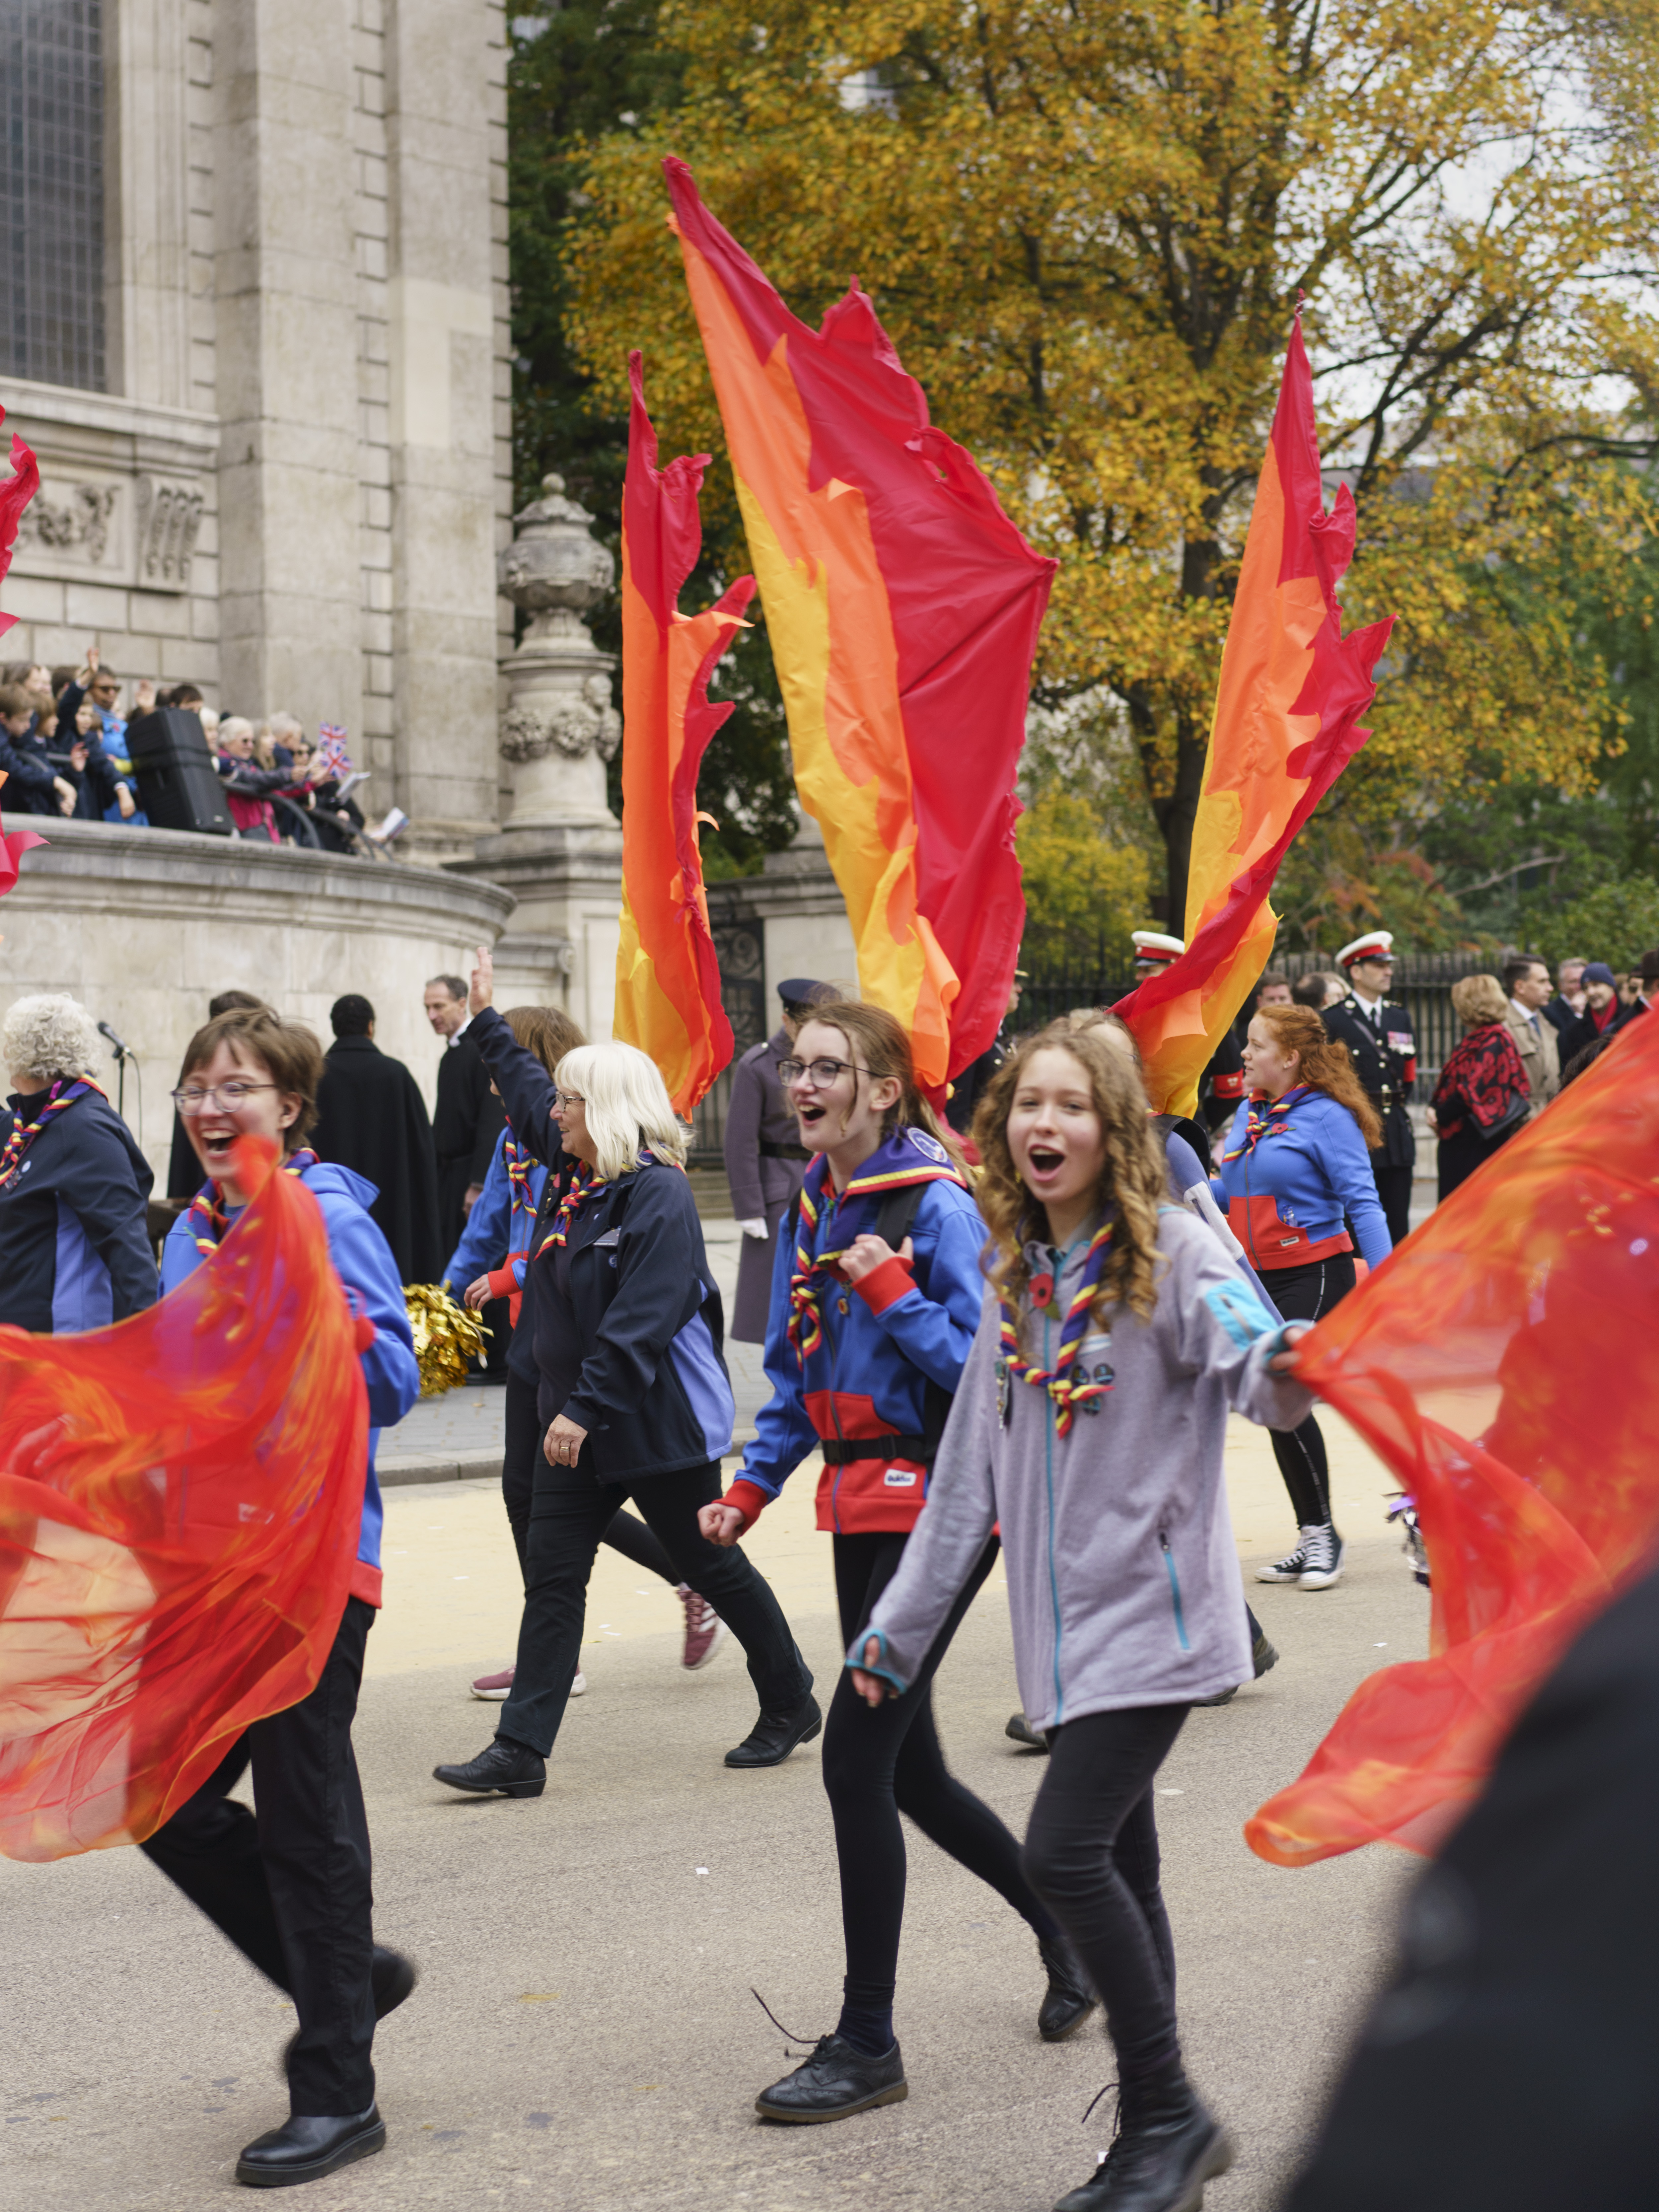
{"x":902,"y":608}
{"x":1498,"y":1364}
{"x":668,"y":980}
{"x":1287,"y":724}
{"x":179,"y":1498}
{"x":15,"y":493}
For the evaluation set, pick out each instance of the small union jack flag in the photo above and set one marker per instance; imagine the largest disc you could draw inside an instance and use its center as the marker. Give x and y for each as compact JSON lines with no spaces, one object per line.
{"x":332,"y":758}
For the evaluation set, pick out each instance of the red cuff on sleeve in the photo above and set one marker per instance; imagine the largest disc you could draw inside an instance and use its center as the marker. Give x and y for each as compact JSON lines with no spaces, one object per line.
{"x":1229,"y":1086}
{"x":1411,"y":1069}
{"x":504,"y":1282}
{"x":885,"y":1285}
{"x":750,"y":1500}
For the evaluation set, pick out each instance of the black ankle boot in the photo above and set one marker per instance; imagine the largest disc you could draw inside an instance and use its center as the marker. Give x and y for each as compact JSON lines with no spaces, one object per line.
{"x":502,"y":1769}
{"x":1167,"y":2147}
{"x":1068,"y":2001}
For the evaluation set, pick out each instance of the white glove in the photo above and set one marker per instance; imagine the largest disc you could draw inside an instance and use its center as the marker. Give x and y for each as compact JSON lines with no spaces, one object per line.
{"x":755,"y":1227}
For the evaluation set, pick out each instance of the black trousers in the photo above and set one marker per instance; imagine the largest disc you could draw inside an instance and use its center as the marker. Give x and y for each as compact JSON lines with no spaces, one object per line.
{"x":570,"y":1513}
{"x":1393,"y":1195}
{"x":882,"y":1761}
{"x":1091,"y":1853}
{"x":1308,"y":1293}
{"x":524,"y":1431}
{"x":291,"y":1883}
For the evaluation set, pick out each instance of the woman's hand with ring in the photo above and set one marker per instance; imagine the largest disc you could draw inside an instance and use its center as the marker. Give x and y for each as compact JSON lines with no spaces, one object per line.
{"x":563,"y":1442}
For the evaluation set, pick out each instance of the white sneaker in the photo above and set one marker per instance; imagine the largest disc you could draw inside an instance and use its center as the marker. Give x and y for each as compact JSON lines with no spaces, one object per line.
{"x":1292,"y":1566}
{"x":1323,"y":1548}
{"x":579,"y":1687}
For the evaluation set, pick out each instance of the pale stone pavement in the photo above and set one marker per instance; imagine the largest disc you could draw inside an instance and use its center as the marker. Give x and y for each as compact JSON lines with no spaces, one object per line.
{"x":584,"y":2036}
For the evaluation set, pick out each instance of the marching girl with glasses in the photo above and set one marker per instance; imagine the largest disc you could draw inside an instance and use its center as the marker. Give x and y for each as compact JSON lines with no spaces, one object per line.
{"x":1115,"y":1337}
{"x":876,"y":1293}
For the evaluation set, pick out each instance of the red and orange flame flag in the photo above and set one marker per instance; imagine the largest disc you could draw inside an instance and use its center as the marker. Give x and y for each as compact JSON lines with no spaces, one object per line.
{"x":179,"y":1498}
{"x":15,"y":493}
{"x":668,"y":980}
{"x":902,"y":608}
{"x":1499,"y":1365}
{"x":1287,"y":724}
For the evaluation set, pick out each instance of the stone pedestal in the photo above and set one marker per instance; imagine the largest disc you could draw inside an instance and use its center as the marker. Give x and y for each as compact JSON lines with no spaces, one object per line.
{"x":559,"y":851}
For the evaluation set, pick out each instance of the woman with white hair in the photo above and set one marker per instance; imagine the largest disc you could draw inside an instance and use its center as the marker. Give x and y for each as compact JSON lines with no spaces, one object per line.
{"x":633,"y":1393}
{"x":74,"y":1253}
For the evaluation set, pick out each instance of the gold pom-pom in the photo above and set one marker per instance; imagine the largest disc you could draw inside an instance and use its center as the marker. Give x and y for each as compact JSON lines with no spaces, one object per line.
{"x":447,"y":1337}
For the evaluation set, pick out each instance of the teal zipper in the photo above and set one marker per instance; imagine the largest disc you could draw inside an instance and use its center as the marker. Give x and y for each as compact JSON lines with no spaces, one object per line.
{"x":1048,"y":1470}
{"x":1174,"y":1591}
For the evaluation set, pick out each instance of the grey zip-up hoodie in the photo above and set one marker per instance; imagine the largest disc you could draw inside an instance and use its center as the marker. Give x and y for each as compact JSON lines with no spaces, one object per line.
{"x":1123,"y":1583}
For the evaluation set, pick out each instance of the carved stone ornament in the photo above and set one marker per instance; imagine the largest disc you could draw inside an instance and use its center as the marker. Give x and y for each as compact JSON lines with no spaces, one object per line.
{"x":169,"y":517}
{"x":79,"y":525}
{"x":553,"y":565}
{"x":573,"y":723}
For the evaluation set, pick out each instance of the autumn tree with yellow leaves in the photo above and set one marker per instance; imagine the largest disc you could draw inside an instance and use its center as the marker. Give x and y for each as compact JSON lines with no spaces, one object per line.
{"x":1086,"y":227}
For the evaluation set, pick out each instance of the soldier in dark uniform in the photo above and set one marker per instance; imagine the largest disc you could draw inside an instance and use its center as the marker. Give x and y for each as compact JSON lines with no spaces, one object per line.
{"x":765,"y":1159}
{"x":1222,"y":1084}
{"x":1382,"y":1046}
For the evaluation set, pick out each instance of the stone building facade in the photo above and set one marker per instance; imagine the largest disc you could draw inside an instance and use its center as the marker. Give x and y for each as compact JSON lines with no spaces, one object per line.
{"x":256,"y":330}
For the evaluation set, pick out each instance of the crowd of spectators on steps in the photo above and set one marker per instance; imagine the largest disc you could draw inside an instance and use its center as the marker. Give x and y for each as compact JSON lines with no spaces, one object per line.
{"x":63,"y":752}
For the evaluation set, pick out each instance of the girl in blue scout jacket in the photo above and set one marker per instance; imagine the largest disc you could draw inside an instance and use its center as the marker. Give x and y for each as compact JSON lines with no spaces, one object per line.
{"x":291,"y":1888}
{"x":633,"y":1398}
{"x":504,"y":1229}
{"x":1115,"y":1337}
{"x":863,"y":1347}
{"x":1295,"y":1163}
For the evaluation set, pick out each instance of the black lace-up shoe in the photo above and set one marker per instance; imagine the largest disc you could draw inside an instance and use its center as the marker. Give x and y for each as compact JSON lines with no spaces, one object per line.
{"x":836,"y":2080}
{"x":775,"y":1736}
{"x":305,"y":2149}
{"x":1069,"y":2000}
{"x":1167,"y":2147}
{"x":1019,"y":1730}
{"x":502,"y":1769}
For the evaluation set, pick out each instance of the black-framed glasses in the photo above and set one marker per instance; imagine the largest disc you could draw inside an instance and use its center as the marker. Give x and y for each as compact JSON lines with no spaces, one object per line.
{"x":199,"y":1099}
{"x":820,"y":1073}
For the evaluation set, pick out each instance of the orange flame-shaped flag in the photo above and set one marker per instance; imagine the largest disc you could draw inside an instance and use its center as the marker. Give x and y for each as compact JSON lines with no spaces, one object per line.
{"x":1287,"y":724}
{"x":179,"y":1498}
{"x":1498,"y":1364}
{"x":668,"y":980}
{"x":902,"y":610}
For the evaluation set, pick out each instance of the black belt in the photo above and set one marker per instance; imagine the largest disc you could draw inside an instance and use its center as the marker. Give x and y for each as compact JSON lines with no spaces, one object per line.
{"x":837,"y":1451}
{"x":783,"y":1151}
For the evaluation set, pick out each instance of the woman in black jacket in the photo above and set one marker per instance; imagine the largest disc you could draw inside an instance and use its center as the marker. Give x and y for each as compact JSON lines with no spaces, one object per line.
{"x":632,"y":1392}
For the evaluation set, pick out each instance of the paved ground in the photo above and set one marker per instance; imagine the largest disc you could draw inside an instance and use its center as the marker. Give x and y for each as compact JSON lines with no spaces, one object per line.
{"x":584,"y":2035}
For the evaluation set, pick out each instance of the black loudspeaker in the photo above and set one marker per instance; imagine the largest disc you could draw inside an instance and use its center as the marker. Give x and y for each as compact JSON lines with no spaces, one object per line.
{"x":178,"y":788}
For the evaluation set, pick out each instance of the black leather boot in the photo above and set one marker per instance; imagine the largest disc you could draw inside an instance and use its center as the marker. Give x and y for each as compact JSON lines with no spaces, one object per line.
{"x":1167,"y":2147}
{"x":502,"y":1769}
{"x":775,"y":1736}
{"x":836,"y":2080}
{"x":305,"y":2149}
{"x":1069,"y":2000}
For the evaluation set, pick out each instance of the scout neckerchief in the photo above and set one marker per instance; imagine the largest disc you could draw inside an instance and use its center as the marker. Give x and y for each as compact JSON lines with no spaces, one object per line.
{"x":207,"y":1217}
{"x":1267,"y":1120}
{"x":518,"y":1166}
{"x":908,"y":1155}
{"x":1067,"y":1390}
{"x":62,"y":1095}
{"x":586,"y":1181}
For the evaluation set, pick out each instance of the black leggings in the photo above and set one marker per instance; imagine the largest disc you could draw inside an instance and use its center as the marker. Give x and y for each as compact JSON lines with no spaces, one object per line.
{"x":1091,"y":1853}
{"x":882,"y":1762}
{"x":524,"y":1431}
{"x":1307,"y":1293}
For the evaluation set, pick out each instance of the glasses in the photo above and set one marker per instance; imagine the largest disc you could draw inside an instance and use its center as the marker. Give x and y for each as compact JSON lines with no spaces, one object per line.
{"x":232,"y":1096}
{"x":562,"y":1099}
{"x":820,"y":1073}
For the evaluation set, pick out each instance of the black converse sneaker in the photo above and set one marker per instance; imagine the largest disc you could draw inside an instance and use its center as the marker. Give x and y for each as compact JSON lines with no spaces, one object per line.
{"x":1323,"y":1550}
{"x":1292,"y":1566}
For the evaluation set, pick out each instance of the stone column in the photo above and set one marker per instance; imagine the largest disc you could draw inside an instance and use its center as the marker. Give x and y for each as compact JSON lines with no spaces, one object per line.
{"x":559,"y":851}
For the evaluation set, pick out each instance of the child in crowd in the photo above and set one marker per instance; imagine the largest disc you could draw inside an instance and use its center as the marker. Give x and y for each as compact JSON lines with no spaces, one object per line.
{"x":1116,"y":1336}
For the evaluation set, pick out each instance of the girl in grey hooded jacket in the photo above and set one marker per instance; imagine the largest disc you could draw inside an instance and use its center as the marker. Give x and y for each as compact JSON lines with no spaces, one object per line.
{"x":1105,"y":1479}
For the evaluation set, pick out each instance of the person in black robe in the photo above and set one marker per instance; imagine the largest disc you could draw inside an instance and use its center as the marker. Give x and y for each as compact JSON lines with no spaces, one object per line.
{"x":371,"y":1117}
{"x":467,"y":1121}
